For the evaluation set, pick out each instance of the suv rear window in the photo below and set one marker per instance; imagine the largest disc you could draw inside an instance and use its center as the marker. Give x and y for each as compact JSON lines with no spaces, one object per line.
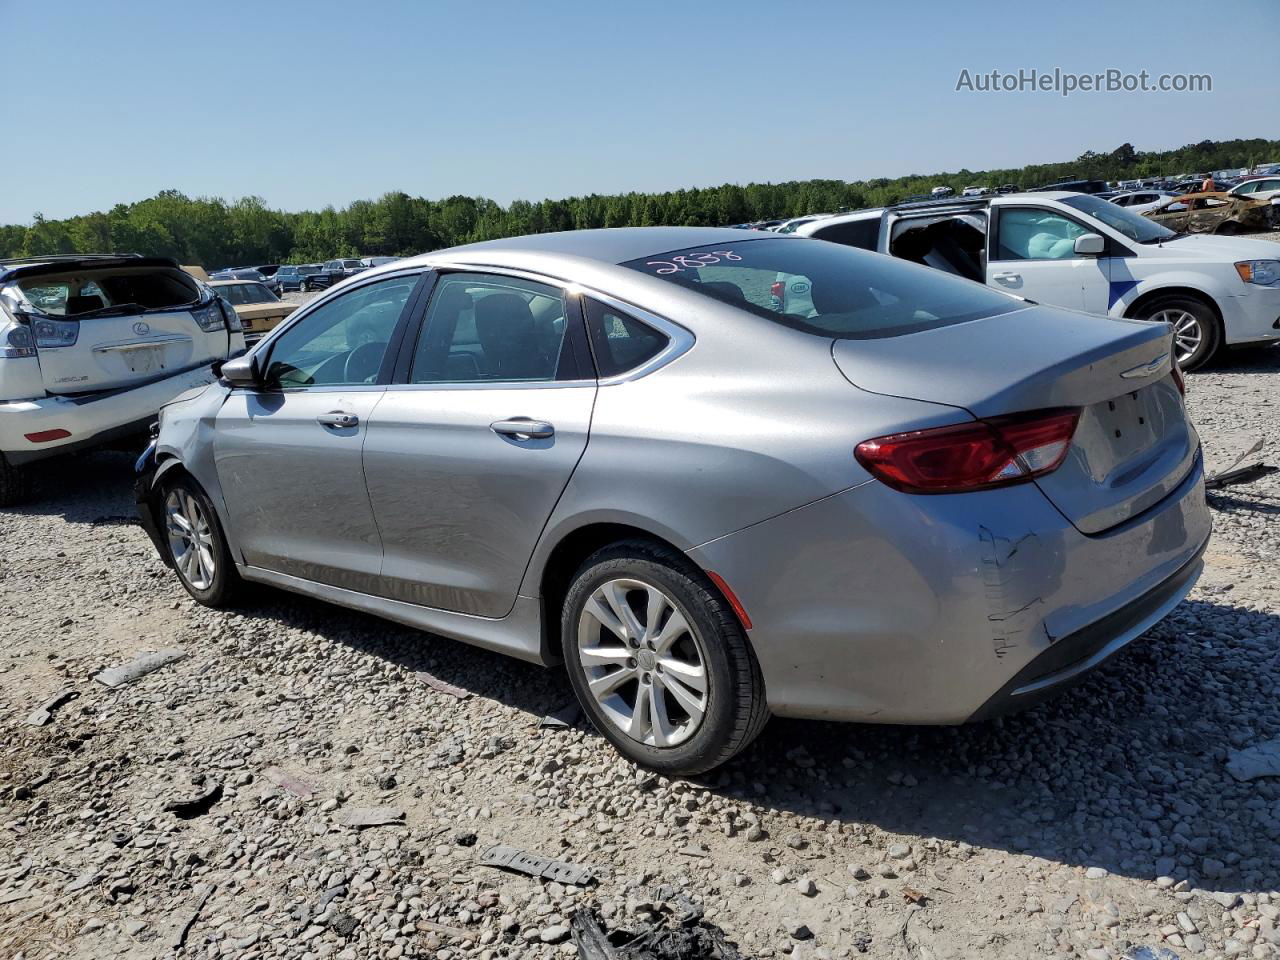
{"x":124,"y":289}
{"x":827,"y":289}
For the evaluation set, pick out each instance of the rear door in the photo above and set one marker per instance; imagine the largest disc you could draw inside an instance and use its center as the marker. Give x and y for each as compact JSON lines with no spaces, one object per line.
{"x":289,"y":455}
{"x":101,"y":330}
{"x":1031,"y":254}
{"x":471,"y":449}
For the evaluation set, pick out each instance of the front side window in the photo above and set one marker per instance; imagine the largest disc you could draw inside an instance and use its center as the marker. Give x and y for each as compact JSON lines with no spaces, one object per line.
{"x":1036,"y":234}
{"x":490,"y":328}
{"x":619,"y":342}
{"x":342,"y":342}
{"x":846,"y":293}
{"x":1132,"y":225}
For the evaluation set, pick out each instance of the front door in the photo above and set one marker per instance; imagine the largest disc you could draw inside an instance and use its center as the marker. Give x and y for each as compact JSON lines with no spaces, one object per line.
{"x":466,"y":460}
{"x":289,"y":454}
{"x":1031,"y":253}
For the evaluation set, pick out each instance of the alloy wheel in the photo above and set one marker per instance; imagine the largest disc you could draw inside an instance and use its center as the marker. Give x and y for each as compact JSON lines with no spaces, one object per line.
{"x":190,"y":539}
{"x":1188,"y":334}
{"x":644,"y":663}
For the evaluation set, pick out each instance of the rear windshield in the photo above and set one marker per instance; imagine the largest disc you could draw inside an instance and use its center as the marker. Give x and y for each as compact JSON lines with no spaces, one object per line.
{"x":828,"y":289}
{"x":122,"y":290}
{"x":240,"y":294}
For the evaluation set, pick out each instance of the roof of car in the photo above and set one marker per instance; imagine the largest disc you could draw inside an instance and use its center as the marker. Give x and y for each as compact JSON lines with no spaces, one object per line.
{"x":611,"y":245}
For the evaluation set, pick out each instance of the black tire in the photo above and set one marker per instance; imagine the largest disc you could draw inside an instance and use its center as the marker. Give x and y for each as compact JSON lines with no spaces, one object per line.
{"x":225,"y":584}
{"x":735,"y":707}
{"x":1228,"y":228}
{"x":1208,"y":325}
{"x":15,"y":483}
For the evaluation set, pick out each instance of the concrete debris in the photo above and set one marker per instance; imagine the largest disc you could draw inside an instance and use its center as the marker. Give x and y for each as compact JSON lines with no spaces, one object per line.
{"x":1259,"y":760}
{"x":360,"y":817}
{"x":138,"y":668}
{"x":295,"y":785}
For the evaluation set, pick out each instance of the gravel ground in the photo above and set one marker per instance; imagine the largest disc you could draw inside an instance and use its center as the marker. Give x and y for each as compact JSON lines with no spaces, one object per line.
{"x":1102,"y":821}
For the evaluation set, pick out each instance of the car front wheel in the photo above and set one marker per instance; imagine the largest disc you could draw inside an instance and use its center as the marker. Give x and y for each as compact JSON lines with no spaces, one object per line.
{"x":196,"y":546}
{"x":659,"y":661}
{"x":1196,"y":332}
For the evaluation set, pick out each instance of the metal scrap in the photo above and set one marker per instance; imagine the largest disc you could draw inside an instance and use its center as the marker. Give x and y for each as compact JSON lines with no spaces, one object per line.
{"x":44,"y":713}
{"x":435,"y":683}
{"x":1236,"y":474}
{"x":184,"y":808}
{"x":696,"y":940}
{"x":533,"y":865}
{"x":370,"y":816}
{"x":295,"y":785}
{"x":139,"y":667}
{"x":1259,"y":760}
{"x":180,"y":935}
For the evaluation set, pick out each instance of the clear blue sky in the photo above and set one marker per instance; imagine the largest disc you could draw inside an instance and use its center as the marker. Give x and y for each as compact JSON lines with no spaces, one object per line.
{"x":317,"y":102}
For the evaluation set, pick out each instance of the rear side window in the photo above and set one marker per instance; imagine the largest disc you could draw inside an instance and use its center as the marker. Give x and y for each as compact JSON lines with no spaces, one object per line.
{"x":863,"y":234}
{"x":619,"y":342}
{"x":827,"y":289}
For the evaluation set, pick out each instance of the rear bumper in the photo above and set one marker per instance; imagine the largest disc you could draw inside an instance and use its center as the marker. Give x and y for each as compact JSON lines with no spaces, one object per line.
{"x":89,"y":419}
{"x":876,"y":606}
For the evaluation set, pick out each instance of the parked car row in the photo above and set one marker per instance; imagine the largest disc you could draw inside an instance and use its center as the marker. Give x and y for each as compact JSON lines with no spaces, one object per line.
{"x":700,"y":467}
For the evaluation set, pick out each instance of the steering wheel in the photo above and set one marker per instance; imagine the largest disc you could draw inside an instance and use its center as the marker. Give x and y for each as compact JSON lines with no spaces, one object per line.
{"x":363,"y":362}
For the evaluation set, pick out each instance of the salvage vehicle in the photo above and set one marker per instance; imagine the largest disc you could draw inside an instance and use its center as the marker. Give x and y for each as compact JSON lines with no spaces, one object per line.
{"x":252,"y":274}
{"x":1078,"y":251}
{"x":92,"y":346}
{"x":1140,"y":201}
{"x":607,"y":448}
{"x":258,"y":308}
{"x":1221,"y":213}
{"x":1258,"y":188}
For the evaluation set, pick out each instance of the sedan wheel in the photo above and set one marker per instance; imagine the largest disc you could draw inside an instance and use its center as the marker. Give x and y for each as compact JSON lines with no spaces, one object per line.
{"x":1188,"y":335}
{"x":197,"y":549}
{"x":659,"y":660}
{"x":643,"y":663}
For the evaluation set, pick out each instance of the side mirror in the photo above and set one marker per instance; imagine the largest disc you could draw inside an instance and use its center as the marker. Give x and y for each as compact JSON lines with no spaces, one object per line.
{"x":241,"y":371}
{"x":1090,"y":245}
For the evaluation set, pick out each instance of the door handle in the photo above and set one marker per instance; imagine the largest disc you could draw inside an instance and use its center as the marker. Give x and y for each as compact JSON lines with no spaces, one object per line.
{"x":336,"y":418}
{"x":522,"y":428}
{"x":1008,"y":277}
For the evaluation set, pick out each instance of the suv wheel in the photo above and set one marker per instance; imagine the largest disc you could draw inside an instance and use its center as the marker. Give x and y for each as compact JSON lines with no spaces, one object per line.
{"x":196,"y":546}
{"x":15,"y":483}
{"x":659,"y":661}
{"x":1195,"y":328}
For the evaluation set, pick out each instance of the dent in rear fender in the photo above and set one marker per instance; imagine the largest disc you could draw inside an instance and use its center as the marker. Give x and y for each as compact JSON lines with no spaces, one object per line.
{"x":876,"y":605}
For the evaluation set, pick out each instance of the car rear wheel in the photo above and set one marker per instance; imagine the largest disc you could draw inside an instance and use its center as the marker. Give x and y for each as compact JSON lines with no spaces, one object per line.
{"x":1196,"y":332}
{"x":196,"y":546}
{"x":659,"y":661}
{"x":15,"y":483}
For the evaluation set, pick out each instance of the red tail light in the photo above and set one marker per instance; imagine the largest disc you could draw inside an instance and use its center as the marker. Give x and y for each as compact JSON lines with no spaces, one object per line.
{"x":1178,"y":379}
{"x":971,"y":456}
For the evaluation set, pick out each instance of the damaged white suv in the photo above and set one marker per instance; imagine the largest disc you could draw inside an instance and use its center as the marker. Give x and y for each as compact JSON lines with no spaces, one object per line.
{"x":92,"y":346}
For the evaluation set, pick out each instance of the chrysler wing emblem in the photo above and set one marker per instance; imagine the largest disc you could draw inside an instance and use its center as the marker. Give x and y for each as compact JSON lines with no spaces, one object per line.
{"x":142,"y":328}
{"x":1146,"y":369}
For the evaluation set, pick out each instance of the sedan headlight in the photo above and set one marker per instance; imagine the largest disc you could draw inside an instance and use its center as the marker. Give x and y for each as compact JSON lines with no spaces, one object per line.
{"x":208,"y":316}
{"x":1262,"y":272}
{"x":55,"y":333}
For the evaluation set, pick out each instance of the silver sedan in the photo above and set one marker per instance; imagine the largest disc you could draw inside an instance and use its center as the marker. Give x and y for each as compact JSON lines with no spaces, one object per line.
{"x":915,"y":500}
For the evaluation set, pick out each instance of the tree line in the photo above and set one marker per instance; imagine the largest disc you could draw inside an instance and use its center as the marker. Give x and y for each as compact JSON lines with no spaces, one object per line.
{"x":213,"y":232}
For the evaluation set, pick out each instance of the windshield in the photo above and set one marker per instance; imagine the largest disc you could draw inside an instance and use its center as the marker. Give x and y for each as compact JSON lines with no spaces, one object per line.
{"x":1132,"y":225}
{"x":827,"y":289}
{"x":240,"y":294}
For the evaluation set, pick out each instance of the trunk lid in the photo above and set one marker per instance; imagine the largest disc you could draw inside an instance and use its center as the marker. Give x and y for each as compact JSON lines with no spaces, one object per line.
{"x":1133,"y":444}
